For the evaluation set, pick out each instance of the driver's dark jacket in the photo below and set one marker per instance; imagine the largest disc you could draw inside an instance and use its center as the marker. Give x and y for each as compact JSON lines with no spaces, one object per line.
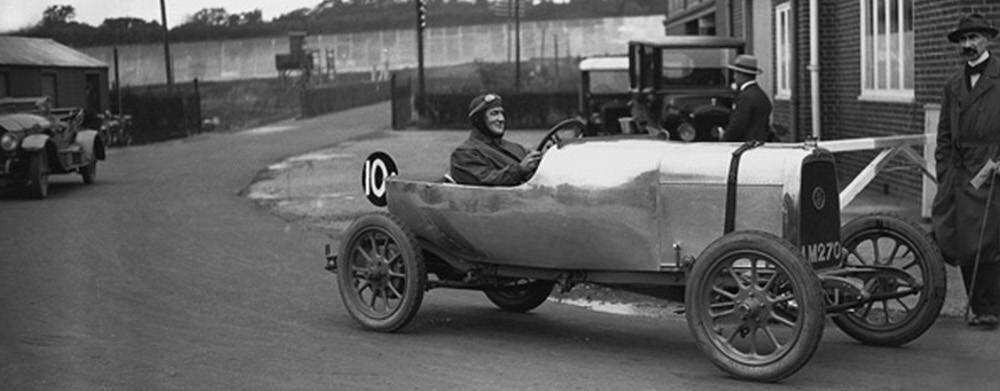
{"x":486,"y":161}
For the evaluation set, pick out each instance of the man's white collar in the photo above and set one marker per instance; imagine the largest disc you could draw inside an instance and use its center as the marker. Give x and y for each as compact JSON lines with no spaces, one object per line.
{"x":982,"y":57}
{"x":747,"y":84}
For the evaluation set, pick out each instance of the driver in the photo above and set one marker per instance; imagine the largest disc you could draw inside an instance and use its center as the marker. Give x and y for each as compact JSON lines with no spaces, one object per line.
{"x":485,"y":158}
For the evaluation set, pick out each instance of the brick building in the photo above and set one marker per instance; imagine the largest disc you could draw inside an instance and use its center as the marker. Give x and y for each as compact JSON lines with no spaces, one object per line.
{"x":881,"y":63}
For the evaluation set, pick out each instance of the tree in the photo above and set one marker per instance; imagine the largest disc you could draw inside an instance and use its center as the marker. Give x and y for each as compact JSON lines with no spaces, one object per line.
{"x":210,"y":17}
{"x":58,"y":14}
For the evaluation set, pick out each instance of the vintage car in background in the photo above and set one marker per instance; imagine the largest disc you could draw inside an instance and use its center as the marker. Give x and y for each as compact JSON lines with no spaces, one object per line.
{"x":37,"y":141}
{"x":680,"y":81}
{"x":748,"y":236}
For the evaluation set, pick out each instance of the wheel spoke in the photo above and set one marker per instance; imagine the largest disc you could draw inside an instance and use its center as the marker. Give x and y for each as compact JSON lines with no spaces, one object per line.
{"x":753,"y":272}
{"x":892,"y":255}
{"x":909,"y":265}
{"x":723,"y":292}
{"x":385,"y":299}
{"x":362,"y":287}
{"x":732,"y":272}
{"x":868,"y":309}
{"x":901,"y":303}
{"x":885,"y":312}
{"x":773,"y":338}
{"x":371,"y":303}
{"x":717,"y":315}
{"x":392,"y":288}
{"x":782,"y":320}
{"x":767,"y":285}
{"x":861,"y":260}
{"x":364,"y":254}
{"x":877,"y":255}
{"x":783,"y":298}
{"x":753,"y":342}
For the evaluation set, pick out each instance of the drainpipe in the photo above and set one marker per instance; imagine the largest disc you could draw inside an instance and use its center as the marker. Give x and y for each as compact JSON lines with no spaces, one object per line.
{"x":814,"y":65}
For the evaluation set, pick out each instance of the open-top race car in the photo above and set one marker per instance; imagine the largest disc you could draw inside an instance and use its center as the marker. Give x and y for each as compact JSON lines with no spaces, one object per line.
{"x":748,"y":236}
{"x":37,"y":140}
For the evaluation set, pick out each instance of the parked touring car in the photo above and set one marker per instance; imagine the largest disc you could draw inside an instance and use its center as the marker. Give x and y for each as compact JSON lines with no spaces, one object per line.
{"x":37,"y":141}
{"x":748,"y":236}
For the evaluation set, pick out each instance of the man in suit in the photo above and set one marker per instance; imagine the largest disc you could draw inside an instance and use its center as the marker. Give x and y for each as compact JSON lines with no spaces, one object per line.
{"x":751,"y":116}
{"x":966,"y":212}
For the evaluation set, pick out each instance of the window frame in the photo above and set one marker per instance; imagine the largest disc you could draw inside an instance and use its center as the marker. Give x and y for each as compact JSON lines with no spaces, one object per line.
{"x":783,"y":51}
{"x":907,"y":53}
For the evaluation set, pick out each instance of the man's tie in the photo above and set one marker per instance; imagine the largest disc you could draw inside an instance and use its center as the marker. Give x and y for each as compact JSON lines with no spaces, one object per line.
{"x":973,"y":70}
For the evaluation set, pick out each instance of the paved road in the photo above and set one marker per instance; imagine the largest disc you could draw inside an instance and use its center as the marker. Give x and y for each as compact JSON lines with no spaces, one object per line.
{"x":161,"y":276}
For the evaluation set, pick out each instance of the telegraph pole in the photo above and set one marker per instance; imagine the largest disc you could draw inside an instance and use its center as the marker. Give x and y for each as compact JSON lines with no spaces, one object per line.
{"x":421,"y":25}
{"x":166,"y":45}
{"x":517,"y":45}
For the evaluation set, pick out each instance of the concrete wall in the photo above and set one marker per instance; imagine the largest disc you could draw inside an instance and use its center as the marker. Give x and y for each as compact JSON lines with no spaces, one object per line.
{"x":254,"y":58}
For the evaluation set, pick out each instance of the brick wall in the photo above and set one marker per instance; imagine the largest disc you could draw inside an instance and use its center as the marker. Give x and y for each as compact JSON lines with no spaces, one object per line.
{"x":843,"y":115}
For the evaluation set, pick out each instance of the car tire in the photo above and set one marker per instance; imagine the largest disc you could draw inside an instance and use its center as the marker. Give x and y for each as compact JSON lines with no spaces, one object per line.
{"x":38,"y":175}
{"x":381,"y":273}
{"x":771,"y":297}
{"x":920,"y":257}
{"x":89,"y":172}
{"x":522,"y":296}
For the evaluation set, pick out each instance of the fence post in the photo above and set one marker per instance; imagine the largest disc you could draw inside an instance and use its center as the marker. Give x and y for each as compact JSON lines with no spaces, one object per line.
{"x":932,"y":112}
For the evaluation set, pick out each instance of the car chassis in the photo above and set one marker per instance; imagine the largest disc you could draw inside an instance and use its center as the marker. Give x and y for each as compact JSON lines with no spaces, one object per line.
{"x":748,"y":236}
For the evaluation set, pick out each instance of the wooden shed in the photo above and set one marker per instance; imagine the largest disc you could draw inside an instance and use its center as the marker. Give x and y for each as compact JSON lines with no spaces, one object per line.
{"x":43,"y":67}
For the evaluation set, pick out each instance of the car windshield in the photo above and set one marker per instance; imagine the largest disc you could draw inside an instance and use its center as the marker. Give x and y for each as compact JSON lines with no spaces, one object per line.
{"x":609,"y":82}
{"x":697,"y":67}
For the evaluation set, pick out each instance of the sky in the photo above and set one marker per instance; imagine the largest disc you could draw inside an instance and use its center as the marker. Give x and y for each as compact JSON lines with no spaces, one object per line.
{"x":16,"y":14}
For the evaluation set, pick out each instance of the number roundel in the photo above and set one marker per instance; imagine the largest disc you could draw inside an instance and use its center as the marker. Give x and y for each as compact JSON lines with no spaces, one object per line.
{"x":378,"y":166}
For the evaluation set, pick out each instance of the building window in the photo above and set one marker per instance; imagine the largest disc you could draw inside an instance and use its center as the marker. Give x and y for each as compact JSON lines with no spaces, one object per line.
{"x":887,"y":50}
{"x":783,"y":51}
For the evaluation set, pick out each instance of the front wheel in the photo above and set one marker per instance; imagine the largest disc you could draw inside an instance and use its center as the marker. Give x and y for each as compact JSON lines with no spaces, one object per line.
{"x":912,"y":305}
{"x":38,"y":175}
{"x":381,"y":273}
{"x":521,"y":295}
{"x":755,"y":306}
{"x":89,"y":172}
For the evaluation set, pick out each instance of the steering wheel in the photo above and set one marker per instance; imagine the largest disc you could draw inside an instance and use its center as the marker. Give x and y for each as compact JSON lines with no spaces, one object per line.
{"x":553,"y":137}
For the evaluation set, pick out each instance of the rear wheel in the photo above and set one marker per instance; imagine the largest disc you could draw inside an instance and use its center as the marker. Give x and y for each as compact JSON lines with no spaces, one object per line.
{"x":755,"y":306}
{"x":381,"y":273}
{"x":887,"y":241}
{"x":520,"y":295}
{"x":38,"y":175}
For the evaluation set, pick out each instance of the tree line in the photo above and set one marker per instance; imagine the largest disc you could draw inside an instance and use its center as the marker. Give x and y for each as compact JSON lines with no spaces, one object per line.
{"x":327,"y":17}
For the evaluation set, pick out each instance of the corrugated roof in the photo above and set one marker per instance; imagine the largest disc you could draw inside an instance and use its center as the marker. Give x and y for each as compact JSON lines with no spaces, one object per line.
{"x":26,"y":51}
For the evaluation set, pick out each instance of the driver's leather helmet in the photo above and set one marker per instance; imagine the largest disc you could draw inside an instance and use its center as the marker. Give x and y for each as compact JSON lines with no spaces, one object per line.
{"x":478,"y":108}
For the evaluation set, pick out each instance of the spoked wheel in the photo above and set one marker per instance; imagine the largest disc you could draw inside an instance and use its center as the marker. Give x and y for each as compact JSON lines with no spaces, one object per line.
{"x":755,"y":306}
{"x":38,"y":175}
{"x":520,"y":295}
{"x":888,"y":241}
{"x":381,"y":273}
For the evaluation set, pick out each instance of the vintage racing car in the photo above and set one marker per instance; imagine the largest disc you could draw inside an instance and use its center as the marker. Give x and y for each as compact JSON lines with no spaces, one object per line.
{"x":748,"y":236}
{"x":37,"y":140}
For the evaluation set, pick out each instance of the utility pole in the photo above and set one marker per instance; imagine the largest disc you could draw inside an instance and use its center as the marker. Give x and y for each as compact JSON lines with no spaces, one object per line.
{"x":166,"y":45}
{"x":517,"y":45}
{"x":421,"y":25}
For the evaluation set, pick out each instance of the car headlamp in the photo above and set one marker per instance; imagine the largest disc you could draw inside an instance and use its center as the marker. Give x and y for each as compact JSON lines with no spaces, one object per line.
{"x":8,"y":142}
{"x":686,"y":131}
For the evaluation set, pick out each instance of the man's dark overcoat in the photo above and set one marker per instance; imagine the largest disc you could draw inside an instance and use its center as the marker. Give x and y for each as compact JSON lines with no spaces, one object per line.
{"x":751,"y":116}
{"x":968,"y":136}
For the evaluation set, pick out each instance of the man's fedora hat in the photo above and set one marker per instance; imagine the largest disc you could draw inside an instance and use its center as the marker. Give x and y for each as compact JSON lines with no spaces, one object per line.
{"x":972,"y":22}
{"x":745,"y":63}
